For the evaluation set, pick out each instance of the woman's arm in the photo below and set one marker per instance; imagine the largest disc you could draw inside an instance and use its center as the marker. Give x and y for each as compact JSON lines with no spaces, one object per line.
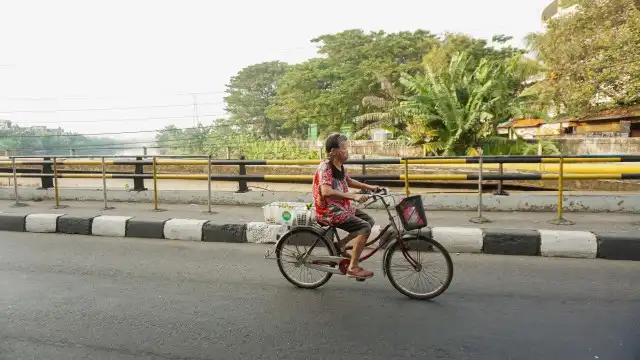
{"x":358,"y":185}
{"x":327,"y":191}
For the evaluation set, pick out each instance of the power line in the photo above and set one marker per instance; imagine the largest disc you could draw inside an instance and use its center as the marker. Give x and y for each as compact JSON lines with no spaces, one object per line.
{"x":117,"y":120}
{"x":106,"y":109}
{"x":107,"y":97}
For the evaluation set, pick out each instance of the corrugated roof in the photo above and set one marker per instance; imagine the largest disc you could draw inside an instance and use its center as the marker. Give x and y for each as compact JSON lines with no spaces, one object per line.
{"x":524,"y":123}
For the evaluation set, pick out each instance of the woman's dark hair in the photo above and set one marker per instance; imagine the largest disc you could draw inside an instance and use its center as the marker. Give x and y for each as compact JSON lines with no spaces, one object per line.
{"x":333,"y":141}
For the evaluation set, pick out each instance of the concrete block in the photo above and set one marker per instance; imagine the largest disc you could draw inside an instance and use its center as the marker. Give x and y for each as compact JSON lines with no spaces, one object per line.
{"x":147,"y":229}
{"x":107,"y":225}
{"x":573,"y":244}
{"x":12,"y":222}
{"x":618,"y":246}
{"x":511,"y":242}
{"x":263,"y":233}
{"x":414,"y":245}
{"x":459,"y":239}
{"x":42,"y":223}
{"x":184,"y":229}
{"x":228,"y":233}
{"x":80,"y":225}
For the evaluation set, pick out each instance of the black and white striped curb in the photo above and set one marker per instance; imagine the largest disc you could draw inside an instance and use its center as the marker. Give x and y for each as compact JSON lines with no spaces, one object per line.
{"x":549,"y":243}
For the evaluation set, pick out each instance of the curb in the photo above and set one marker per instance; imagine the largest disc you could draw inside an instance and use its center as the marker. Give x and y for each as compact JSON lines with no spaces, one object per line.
{"x":520,"y":242}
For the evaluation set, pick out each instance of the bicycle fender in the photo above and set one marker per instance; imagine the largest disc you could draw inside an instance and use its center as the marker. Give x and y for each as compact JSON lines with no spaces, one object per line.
{"x":384,"y":256}
{"x":305,"y":229}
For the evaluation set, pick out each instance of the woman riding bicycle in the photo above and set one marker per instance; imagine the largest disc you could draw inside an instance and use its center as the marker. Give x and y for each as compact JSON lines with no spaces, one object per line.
{"x":331,"y":198}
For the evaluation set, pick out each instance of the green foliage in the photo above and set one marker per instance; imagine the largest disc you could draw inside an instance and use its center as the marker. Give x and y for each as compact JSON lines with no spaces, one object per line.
{"x":591,"y":58}
{"x":251,"y":92}
{"x":224,"y":138}
{"x":457,"y":108}
{"x":37,"y":141}
{"x":328,"y":90}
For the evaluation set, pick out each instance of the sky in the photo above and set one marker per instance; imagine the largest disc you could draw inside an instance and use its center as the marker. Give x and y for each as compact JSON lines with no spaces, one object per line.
{"x":117,"y":66}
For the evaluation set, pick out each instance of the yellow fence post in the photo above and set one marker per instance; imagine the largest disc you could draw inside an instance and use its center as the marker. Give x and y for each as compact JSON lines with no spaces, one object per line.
{"x":104,"y":185}
{"x":209,"y":183}
{"x":479,"y":219}
{"x":55,"y":185}
{"x":560,"y":220}
{"x":15,"y":185}
{"x":155,"y":185}
{"x":406,"y":177}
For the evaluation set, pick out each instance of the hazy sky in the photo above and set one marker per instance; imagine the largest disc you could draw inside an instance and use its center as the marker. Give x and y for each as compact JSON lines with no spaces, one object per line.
{"x":88,"y":57}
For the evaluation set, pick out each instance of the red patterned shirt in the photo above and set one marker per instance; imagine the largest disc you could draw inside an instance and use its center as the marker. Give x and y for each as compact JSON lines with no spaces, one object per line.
{"x":330,"y":210}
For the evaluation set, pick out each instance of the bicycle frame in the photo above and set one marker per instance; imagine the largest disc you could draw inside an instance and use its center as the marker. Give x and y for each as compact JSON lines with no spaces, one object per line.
{"x":314,"y":262}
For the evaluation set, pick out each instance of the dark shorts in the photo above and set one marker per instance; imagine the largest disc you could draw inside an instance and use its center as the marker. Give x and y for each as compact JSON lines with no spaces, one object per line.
{"x":359,"y":224}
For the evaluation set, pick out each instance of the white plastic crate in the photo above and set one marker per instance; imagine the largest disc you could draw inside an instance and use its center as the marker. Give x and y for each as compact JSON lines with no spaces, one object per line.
{"x":288,"y":213}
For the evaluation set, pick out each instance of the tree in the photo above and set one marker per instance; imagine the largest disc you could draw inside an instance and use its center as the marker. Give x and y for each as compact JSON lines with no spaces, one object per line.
{"x":329,"y":90}
{"x":510,"y":68}
{"x":251,"y":92}
{"x":591,"y":58}
{"x":458,"y":109}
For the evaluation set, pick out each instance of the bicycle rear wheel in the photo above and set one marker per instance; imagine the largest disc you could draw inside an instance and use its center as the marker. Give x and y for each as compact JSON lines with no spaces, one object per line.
{"x":290,"y":251}
{"x":413,"y":278}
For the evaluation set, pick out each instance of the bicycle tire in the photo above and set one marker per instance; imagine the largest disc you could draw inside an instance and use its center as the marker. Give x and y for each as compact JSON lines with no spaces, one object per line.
{"x":395,"y":246}
{"x":309,"y":232}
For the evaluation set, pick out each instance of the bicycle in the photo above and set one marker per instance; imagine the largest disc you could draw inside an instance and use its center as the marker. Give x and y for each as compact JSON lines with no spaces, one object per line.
{"x":336,"y":262}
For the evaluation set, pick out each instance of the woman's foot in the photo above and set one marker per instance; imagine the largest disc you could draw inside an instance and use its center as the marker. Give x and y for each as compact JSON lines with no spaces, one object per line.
{"x":359,"y":273}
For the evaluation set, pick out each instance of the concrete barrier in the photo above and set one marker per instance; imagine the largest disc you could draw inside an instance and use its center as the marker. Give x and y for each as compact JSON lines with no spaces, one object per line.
{"x":554,"y":243}
{"x":12,"y":222}
{"x":107,"y":225}
{"x":78,"y":225}
{"x":618,"y":246}
{"x":231,"y":233}
{"x":574,"y":244}
{"x":184,"y":229}
{"x":146,"y":229}
{"x":458,"y":239}
{"x":263,"y":233}
{"x":42,"y":223}
{"x":511,"y":242}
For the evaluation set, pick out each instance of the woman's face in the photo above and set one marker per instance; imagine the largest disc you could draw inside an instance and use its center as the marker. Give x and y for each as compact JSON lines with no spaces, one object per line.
{"x":343,"y":151}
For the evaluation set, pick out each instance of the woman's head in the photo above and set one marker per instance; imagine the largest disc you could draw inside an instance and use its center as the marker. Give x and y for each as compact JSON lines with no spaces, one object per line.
{"x":337,"y":147}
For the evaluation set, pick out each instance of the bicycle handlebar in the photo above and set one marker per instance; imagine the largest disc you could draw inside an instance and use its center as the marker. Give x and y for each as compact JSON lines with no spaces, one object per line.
{"x":380,"y":193}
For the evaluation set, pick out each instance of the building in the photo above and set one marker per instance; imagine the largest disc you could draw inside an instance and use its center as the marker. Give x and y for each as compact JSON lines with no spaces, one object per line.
{"x":5,"y":124}
{"x":530,"y":129}
{"x":558,"y":8}
{"x":609,"y":123}
{"x":615,"y":123}
{"x":381,"y":135}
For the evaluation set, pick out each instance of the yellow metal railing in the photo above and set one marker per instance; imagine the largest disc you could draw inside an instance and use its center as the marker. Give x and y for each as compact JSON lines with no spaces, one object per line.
{"x":555,"y":168}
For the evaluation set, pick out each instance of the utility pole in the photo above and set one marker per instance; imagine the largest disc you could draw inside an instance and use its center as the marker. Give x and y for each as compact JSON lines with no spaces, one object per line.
{"x":196,"y":121}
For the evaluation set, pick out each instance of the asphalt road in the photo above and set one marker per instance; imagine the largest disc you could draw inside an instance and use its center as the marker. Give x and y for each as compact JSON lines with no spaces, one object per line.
{"x":75,"y":297}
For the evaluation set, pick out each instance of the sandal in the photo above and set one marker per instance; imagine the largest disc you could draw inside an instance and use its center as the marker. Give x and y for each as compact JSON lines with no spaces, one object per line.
{"x":359,"y":273}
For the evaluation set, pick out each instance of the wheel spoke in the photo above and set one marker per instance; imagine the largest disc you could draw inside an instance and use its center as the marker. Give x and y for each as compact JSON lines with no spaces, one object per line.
{"x":291,"y":256}
{"x":421,"y":281}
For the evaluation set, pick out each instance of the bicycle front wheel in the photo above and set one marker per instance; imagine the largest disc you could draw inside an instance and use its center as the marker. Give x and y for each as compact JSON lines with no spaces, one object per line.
{"x":292,"y":249}
{"x":423,"y":271}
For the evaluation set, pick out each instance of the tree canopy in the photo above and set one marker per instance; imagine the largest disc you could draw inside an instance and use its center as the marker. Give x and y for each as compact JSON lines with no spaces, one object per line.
{"x":36,"y":140}
{"x":590,"y":57}
{"x":447,"y":92}
{"x":251,"y":92}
